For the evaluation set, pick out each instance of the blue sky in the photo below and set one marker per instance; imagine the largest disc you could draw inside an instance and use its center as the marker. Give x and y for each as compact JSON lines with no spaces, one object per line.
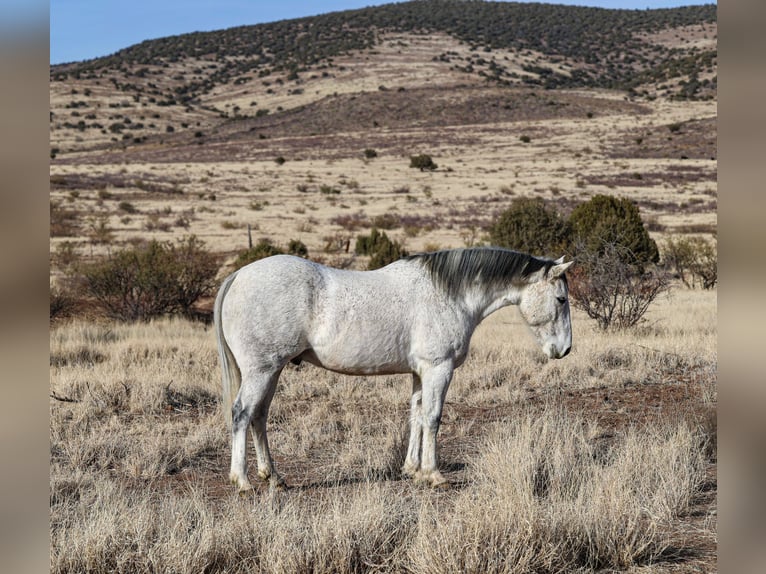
{"x":84,"y":29}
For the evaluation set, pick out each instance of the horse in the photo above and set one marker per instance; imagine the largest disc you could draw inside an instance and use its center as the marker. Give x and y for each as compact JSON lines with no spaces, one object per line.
{"x":414,"y":316}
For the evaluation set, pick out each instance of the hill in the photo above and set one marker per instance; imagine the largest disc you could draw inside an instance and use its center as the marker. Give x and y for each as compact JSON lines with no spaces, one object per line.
{"x":303,"y":129}
{"x":195,"y":81}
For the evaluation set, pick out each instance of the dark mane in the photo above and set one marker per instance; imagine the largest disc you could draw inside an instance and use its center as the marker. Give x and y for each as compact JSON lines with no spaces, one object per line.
{"x":455,"y":270}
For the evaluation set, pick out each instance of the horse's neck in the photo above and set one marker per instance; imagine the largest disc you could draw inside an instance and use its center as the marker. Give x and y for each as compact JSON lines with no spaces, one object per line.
{"x":481,"y":303}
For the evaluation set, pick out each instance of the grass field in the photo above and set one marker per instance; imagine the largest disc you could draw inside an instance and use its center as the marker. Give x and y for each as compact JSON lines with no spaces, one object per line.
{"x":602,"y":460}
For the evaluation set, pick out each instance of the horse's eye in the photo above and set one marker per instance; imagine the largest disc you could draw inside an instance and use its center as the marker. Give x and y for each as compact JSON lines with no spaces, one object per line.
{"x":561,"y":300}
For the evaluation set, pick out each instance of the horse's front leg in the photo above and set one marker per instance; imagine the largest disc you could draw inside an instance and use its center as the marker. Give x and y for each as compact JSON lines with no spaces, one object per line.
{"x":412,"y":462}
{"x":435,"y":384}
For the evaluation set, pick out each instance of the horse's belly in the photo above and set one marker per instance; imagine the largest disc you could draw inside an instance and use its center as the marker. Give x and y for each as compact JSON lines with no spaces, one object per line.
{"x":354,"y":359}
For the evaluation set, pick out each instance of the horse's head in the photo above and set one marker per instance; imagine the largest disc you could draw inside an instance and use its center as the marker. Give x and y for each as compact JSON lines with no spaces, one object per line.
{"x":545,"y":307}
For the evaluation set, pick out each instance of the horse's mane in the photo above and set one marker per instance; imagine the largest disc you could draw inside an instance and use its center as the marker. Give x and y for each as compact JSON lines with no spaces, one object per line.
{"x":455,"y":270}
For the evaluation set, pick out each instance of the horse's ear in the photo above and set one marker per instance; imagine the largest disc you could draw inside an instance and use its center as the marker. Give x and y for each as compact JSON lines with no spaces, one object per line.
{"x":559,"y":260}
{"x":558,"y":270}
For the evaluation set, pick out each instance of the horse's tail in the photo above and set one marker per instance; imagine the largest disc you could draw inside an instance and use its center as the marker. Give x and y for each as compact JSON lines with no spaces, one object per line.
{"x":231,"y":375}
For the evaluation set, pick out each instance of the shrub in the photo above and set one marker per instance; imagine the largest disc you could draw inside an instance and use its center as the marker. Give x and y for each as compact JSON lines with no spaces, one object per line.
{"x":296,"y":247}
{"x":61,"y":303}
{"x":127,"y":207}
{"x":610,"y":289}
{"x":605,"y":221}
{"x":264,"y":248}
{"x":693,"y":260}
{"x":525,"y":139}
{"x":152,"y":280}
{"x":531,"y":226}
{"x":370,"y":153}
{"x":380,"y":248}
{"x":423,"y":162}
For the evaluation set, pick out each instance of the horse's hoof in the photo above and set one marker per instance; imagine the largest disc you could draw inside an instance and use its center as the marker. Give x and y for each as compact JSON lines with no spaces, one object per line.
{"x":410,"y":471}
{"x":245,"y":489}
{"x":434,"y":479}
{"x":243,"y":486}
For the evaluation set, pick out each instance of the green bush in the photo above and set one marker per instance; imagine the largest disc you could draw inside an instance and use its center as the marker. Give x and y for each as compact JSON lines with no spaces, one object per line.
{"x":530,"y":226}
{"x":423,"y":162}
{"x":380,"y":248}
{"x":605,"y":220}
{"x":152,"y":280}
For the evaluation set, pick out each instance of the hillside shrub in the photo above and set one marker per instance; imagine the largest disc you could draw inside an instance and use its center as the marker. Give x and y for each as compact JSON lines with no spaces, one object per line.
{"x":423,"y":162}
{"x":693,"y":260}
{"x":606,"y":221}
{"x":152,"y":280}
{"x":531,"y":226}
{"x":380,"y":248}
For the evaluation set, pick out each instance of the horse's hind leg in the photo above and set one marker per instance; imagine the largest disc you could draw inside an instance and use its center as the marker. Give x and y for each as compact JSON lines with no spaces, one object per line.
{"x":251,"y":408}
{"x":266,"y":469}
{"x":412,"y":462}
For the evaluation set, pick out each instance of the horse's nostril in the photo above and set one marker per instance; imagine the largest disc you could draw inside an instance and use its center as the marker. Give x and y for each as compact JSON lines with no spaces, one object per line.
{"x":565,"y":353}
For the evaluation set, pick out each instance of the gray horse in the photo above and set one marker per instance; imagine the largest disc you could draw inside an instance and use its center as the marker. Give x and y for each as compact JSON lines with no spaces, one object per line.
{"x":416,"y":315}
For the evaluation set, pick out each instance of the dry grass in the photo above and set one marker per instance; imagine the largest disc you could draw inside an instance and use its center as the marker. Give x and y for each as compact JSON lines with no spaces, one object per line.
{"x":548,"y":475}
